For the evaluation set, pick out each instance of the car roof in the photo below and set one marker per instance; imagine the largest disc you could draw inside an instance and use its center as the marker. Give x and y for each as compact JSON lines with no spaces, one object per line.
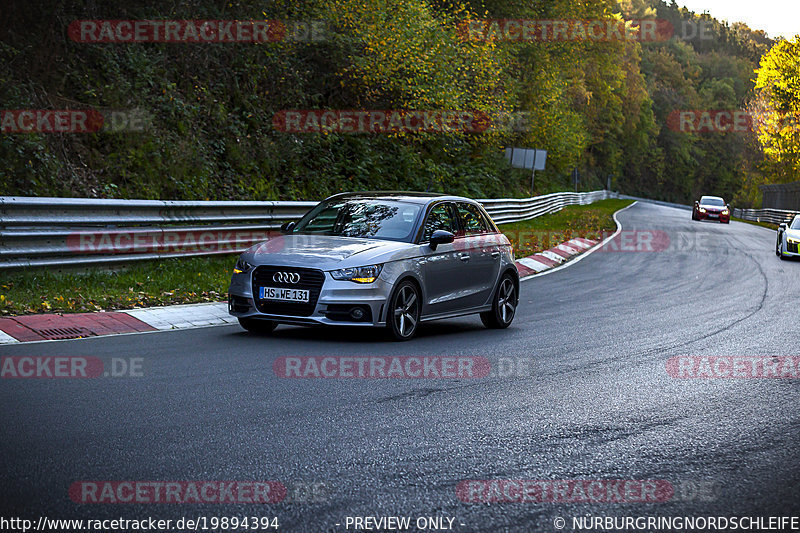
{"x":403,"y":196}
{"x":711,"y":198}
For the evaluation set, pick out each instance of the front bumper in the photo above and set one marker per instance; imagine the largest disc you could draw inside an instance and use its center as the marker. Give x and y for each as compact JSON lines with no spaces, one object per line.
{"x":714,"y":216}
{"x":335,"y":300}
{"x":790,"y":249}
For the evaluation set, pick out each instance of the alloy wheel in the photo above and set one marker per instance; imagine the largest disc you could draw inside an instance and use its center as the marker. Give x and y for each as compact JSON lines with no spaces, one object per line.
{"x":506,"y":300}
{"x":406,"y":311}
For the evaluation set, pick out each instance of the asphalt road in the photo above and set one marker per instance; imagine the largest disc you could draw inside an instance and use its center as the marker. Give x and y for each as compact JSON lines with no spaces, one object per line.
{"x":596,"y":402}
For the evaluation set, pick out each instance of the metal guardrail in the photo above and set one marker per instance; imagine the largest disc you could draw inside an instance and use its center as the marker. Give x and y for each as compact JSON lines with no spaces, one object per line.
{"x":507,"y":210}
{"x":41,"y":232}
{"x":772,"y":216}
{"x":45,"y":232}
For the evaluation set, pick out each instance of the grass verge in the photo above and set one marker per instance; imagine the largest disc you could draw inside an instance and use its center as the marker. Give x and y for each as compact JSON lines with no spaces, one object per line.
{"x":754,"y":223}
{"x":205,"y":279}
{"x":592,"y":221}
{"x":144,"y":284}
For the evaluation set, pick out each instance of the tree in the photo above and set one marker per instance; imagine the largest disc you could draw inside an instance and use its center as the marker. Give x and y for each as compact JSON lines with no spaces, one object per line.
{"x":778,"y":103}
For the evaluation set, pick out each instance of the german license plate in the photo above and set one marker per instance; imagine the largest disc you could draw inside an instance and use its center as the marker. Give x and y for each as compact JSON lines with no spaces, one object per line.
{"x":284,"y":295}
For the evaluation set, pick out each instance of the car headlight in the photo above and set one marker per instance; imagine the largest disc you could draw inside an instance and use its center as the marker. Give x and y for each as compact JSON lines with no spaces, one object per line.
{"x":702,"y":210}
{"x":242,"y":267}
{"x":725,"y":212}
{"x":363,"y":274}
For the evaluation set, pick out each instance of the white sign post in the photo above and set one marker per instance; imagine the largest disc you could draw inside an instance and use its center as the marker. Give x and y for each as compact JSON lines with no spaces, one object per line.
{"x":527,"y":158}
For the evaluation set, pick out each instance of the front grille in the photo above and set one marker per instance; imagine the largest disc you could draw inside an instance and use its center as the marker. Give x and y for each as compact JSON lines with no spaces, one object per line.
{"x":791,"y":247}
{"x":310,"y":280}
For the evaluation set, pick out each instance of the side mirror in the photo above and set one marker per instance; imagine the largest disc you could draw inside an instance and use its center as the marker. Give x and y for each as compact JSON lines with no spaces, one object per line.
{"x":287,"y":227}
{"x":441,"y":236}
{"x":782,"y":226}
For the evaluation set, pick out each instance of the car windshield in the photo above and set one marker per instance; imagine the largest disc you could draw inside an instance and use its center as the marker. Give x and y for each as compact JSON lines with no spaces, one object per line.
{"x":707,"y":200}
{"x":362,"y":218}
{"x":795,"y":223}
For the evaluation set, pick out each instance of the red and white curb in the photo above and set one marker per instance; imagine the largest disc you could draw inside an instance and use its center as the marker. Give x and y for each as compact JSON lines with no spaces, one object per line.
{"x":33,"y":328}
{"x":534,"y":264}
{"x":185,"y":316}
{"x":549,"y":259}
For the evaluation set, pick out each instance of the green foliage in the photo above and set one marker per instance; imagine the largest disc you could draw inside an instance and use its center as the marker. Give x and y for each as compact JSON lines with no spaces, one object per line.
{"x":709,"y":70}
{"x":601,"y":107}
{"x":144,"y":284}
{"x":778,"y":108}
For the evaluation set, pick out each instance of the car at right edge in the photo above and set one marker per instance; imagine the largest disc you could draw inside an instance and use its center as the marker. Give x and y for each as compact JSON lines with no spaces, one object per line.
{"x":788,"y":239}
{"x":712,"y":208}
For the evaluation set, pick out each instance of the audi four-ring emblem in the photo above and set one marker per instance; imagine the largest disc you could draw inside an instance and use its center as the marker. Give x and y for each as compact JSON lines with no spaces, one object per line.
{"x":286,"y":277}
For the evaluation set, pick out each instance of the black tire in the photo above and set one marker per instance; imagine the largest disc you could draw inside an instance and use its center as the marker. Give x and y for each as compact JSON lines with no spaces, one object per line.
{"x":778,"y":244}
{"x":405,"y":307}
{"x":504,"y":305}
{"x":694,"y":216}
{"x":258,"y":326}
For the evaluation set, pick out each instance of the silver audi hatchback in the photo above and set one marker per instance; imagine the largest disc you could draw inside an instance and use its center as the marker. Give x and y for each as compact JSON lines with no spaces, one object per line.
{"x":380,"y":259}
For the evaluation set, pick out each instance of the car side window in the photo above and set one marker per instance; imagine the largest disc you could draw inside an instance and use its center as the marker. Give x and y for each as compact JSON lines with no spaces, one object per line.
{"x":441,"y":217}
{"x":472,"y":220}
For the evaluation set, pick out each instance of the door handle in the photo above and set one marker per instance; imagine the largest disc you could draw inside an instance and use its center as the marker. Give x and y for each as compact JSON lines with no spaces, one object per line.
{"x":464,"y":257}
{"x":495,"y":255}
